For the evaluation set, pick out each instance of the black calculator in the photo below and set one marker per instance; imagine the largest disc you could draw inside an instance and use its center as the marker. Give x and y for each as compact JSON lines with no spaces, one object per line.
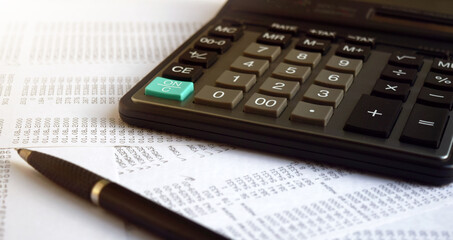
{"x":358,"y":83}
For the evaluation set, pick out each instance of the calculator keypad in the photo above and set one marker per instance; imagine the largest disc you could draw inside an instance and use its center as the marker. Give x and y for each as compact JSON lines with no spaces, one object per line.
{"x":270,"y":77}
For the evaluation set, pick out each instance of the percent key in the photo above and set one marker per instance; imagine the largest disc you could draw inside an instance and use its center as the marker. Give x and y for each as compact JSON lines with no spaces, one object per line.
{"x":439,"y":81}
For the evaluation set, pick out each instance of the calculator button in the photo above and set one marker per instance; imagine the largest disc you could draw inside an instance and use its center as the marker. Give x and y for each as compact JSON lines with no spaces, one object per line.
{"x":303,"y":58}
{"x":312,"y":113}
{"x":219,"y":45}
{"x":183,"y":72}
{"x":442,"y":66}
{"x":323,"y":95}
{"x":262,"y":51}
{"x":284,"y":28}
{"x":342,"y":64}
{"x":334,"y":79}
{"x":353,"y":51}
{"x":313,"y":45}
{"x":425,"y":126}
{"x":404,"y":59}
{"x":361,"y":40}
{"x":391,"y":89}
{"x":399,"y":74}
{"x":169,"y":89}
{"x":199,"y":57}
{"x":439,"y":81}
{"x":291,"y":72}
{"x":218,"y":97}
{"x":250,"y":65}
{"x":331,"y":35}
{"x":227,"y":31}
{"x":279,"y":88}
{"x":272,"y":38}
{"x":374,"y":116}
{"x":265,"y":105}
{"x":435,"y":97}
{"x":242,"y":81}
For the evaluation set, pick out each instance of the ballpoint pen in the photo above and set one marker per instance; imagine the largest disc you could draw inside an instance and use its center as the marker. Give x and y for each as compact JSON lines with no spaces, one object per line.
{"x":116,"y":199}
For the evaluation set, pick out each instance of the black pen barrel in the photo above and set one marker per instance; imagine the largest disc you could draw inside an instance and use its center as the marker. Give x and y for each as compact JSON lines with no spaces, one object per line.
{"x":151,"y":216}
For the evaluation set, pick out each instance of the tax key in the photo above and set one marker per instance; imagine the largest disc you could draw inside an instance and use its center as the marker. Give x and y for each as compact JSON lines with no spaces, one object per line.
{"x":169,"y":89}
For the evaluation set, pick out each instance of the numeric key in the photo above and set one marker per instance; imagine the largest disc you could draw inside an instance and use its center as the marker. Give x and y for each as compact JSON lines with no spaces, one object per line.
{"x":265,"y":105}
{"x":242,"y":81}
{"x":250,"y":65}
{"x":279,"y":88}
{"x":346,"y":65}
{"x":218,"y":97}
{"x":323,"y":95}
{"x":262,"y":51}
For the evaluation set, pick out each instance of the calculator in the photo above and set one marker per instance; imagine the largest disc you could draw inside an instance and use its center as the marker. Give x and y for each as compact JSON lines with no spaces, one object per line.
{"x":360,"y":84}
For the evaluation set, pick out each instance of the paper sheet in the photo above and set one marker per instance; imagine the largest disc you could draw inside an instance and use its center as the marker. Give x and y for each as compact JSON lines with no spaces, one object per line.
{"x":63,"y":67}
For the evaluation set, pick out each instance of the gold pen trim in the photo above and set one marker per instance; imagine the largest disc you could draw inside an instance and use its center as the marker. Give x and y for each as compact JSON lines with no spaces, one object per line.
{"x":96,"y":190}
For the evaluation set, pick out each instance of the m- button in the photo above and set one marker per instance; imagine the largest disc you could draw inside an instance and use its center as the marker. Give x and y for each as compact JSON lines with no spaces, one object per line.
{"x":374,"y":116}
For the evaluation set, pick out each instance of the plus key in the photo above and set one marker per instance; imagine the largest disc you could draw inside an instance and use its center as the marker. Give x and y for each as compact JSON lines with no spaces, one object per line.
{"x":374,"y":116}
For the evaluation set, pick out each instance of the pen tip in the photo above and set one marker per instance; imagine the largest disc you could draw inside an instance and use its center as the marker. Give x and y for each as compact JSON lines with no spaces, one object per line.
{"x":23,"y":153}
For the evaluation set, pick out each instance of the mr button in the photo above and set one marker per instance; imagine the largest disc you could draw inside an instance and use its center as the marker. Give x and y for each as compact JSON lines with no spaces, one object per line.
{"x":183,"y":72}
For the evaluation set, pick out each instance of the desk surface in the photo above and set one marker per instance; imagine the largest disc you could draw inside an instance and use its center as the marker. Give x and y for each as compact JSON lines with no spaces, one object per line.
{"x":64,"y":66}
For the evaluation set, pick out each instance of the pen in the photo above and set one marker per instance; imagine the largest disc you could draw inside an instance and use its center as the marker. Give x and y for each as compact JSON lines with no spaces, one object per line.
{"x":117,"y":199}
